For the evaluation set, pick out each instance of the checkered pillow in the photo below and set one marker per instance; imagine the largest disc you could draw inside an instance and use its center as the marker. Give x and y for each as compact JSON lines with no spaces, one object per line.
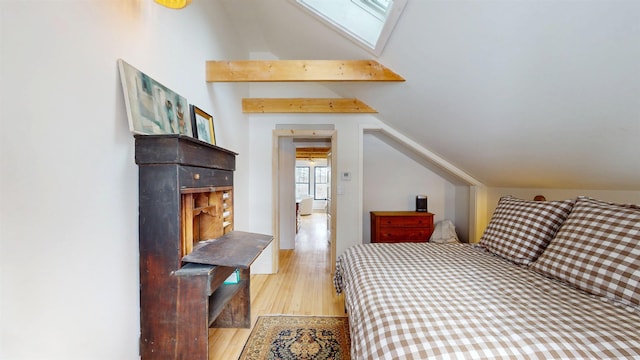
{"x":520,"y":230}
{"x":597,"y":250}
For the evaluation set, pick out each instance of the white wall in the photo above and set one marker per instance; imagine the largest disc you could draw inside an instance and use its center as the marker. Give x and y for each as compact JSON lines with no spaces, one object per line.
{"x":446,"y":199}
{"x":392,"y":180}
{"x":68,"y":182}
{"x":347,"y":127}
{"x":620,"y":197}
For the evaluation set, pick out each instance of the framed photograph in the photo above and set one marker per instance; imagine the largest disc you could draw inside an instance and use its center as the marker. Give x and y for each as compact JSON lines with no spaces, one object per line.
{"x":203,"y":125}
{"x":152,"y":108}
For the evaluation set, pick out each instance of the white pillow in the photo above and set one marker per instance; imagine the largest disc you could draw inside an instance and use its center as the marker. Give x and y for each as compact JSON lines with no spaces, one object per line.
{"x":444,"y":233}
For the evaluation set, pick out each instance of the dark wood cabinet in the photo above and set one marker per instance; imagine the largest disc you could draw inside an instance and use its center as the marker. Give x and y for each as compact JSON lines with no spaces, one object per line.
{"x":401,"y":226}
{"x":188,"y":247}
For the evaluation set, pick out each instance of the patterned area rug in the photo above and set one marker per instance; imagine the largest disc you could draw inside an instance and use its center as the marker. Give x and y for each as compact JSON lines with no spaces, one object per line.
{"x":298,"y":337}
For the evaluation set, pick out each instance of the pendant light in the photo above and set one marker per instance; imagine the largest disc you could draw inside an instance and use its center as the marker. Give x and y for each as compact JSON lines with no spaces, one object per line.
{"x":174,"y":4}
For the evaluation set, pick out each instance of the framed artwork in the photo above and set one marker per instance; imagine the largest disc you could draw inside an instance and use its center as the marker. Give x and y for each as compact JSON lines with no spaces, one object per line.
{"x":152,"y":108}
{"x":203,"y":125}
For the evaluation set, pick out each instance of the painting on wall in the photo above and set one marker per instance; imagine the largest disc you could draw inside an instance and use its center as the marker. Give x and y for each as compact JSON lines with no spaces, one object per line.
{"x":152,"y":108}
{"x":203,"y":125}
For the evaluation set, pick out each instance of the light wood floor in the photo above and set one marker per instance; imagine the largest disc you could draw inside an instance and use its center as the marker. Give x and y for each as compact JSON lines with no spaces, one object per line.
{"x":303,"y":286}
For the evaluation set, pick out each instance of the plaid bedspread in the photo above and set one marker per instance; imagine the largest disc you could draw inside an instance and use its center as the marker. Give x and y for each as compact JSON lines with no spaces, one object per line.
{"x":452,"y":301}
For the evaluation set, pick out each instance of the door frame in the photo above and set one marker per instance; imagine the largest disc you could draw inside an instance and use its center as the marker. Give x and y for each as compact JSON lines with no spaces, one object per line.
{"x":307,"y":134}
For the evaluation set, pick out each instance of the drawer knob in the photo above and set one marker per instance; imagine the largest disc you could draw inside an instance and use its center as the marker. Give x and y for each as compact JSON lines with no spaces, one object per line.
{"x":196,"y":176}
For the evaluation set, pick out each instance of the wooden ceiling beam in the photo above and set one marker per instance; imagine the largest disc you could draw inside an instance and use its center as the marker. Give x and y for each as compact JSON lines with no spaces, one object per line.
{"x":298,"y":70}
{"x":312,"y":152}
{"x":305,"y":105}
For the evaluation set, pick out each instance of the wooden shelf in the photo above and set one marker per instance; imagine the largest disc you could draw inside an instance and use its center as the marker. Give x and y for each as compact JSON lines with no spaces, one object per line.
{"x":301,"y":71}
{"x":221,"y":297}
{"x":237,"y":249}
{"x":305,"y":105}
{"x":298,"y":70}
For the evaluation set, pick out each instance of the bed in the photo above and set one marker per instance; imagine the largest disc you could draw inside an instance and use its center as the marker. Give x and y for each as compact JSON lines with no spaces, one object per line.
{"x":499,"y":300}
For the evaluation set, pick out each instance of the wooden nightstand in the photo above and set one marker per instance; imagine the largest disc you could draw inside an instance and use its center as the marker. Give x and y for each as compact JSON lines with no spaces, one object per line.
{"x":401,"y":226}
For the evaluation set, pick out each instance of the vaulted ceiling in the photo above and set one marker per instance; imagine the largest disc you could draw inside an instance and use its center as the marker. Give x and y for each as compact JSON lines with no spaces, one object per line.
{"x":515,"y":93}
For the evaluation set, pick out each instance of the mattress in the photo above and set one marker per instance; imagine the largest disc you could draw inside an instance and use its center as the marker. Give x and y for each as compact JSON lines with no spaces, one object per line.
{"x":455,"y":301}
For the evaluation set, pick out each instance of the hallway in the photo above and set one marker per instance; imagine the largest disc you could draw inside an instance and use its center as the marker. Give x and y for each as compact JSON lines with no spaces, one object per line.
{"x":313,"y":232}
{"x":303,"y":286}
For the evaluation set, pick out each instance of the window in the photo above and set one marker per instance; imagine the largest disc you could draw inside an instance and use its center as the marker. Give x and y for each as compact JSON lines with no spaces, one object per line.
{"x":321,"y":179}
{"x":367,"y":22}
{"x":377,"y":8}
{"x":302,"y":181}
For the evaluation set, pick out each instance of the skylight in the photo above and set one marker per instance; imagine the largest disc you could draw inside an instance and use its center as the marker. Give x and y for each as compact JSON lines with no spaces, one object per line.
{"x":367,"y":22}
{"x":377,"y":8}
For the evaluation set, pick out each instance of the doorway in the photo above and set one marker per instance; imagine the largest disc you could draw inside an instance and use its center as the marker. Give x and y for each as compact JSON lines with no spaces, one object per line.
{"x":283,"y":184}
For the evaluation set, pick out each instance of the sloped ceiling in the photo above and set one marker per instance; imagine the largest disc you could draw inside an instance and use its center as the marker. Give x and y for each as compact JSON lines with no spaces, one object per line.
{"x":515,"y":93}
